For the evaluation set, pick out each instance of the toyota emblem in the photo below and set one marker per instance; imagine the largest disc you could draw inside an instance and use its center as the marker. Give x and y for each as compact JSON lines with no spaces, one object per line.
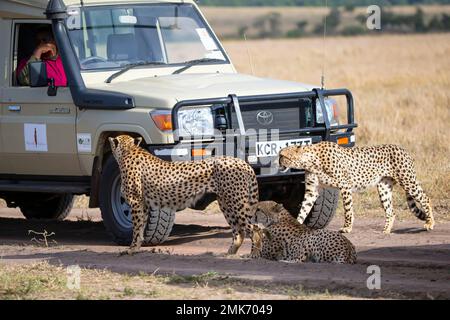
{"x":264,"y":118}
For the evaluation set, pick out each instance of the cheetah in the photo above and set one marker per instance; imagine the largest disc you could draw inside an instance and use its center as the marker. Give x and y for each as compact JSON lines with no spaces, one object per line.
{"x":279,"y":236}
{"x":149,"y":183}
{"x":352,"y":169}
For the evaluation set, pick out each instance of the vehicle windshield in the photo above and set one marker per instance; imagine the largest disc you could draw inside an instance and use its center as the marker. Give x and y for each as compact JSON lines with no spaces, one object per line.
{"x":108,"y":37}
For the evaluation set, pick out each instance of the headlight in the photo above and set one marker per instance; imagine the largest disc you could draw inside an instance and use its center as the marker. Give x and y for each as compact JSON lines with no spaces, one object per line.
{"x":332,"y":112}
{"x":196,"y":121}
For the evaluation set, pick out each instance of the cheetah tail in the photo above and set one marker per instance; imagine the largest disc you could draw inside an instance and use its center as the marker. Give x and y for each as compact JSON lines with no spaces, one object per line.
{"x":420,"y":214}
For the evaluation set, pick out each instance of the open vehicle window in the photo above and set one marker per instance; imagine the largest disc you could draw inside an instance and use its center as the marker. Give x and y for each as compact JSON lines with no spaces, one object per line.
{"x":24,"y":45}
{"x":116,"y":36}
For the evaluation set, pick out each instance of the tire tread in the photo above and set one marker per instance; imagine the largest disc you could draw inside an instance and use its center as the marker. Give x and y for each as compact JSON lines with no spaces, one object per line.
{"x":324,"y":209}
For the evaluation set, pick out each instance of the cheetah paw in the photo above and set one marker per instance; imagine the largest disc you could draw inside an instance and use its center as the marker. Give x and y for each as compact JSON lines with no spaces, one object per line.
{"x":429,"y":225}
{"x":128,"y":252}
{"x":253,"y":256}
{"x":345,"y":230}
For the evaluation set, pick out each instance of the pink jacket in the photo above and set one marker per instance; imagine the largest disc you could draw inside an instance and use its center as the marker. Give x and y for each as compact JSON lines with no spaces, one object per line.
{"x":55,"y":70}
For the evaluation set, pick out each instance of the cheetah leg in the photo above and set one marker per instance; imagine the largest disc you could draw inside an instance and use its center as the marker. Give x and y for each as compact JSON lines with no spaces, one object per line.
{"x":255,"y":253}
{"x":238,"y":238}
{"x":139,"y":219}
{"x":348,"y":208}
{"x":385,"y":193}
{"x":236,"y":222}
{"x":416,"y":193}
{"x":311,"y":195}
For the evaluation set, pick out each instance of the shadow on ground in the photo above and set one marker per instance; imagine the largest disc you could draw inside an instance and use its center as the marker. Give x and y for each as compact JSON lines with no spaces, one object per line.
{"x":14,"y":230}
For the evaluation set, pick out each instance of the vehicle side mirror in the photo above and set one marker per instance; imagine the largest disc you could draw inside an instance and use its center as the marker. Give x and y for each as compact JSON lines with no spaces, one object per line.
{"x":38,"y":74}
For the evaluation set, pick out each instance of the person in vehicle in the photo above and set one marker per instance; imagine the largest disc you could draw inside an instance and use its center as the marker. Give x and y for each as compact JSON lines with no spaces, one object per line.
{"x":46,"y":51}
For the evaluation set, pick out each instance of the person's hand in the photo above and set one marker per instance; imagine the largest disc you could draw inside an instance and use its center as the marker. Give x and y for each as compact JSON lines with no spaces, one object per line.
{"x":46,"y":50}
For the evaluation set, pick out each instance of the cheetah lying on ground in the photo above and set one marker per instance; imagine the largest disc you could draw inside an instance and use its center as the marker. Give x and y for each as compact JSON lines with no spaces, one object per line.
{"x":281,"y":237}
{"x":328,"y":164}
{"x":149,"y":184}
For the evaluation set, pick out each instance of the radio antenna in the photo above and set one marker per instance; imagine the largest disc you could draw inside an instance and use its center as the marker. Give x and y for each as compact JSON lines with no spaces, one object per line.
{"x":249,"y":55}
{"x":324,"y":42}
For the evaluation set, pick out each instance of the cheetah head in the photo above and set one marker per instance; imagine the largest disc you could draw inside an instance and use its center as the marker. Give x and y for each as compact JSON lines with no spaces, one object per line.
{"x":298,"y":157}
{"x":266,"y":214}
{"x":121,"y":144}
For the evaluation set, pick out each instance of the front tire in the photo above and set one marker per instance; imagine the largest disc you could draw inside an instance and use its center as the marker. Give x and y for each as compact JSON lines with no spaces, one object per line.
{"x":323,"y":210}
{"x":116,"y":213}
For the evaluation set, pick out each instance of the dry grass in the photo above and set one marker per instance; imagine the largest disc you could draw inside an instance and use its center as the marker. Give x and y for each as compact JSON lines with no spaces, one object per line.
{"x":401,"y":86}
{"x":44,"y":281}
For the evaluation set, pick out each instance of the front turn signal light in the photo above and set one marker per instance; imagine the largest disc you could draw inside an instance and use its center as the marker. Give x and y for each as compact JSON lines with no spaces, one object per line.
{"x":343,"y":140}
{"x":163,"y":120}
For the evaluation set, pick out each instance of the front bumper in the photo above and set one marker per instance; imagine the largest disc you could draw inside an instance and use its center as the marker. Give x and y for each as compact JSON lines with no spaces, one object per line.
{"x":265,"y":167}
{"x":241,"y":143}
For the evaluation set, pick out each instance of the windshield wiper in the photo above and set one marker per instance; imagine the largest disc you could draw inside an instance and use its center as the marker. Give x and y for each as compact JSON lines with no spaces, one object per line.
{"x":131,"y":66}
{"x":191,"y":63}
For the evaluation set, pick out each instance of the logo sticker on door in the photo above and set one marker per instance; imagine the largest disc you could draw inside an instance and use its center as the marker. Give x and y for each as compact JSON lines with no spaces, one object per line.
{"x":84,"y":142}
{"x":35,"y":137}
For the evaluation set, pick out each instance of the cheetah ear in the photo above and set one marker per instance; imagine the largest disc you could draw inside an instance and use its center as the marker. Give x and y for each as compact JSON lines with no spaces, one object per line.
{"x":278,"y":207}
{"x":112,"y":142}
{"x":138,"y":141}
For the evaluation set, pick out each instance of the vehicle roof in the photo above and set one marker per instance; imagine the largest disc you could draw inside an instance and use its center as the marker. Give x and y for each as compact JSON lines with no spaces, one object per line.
{"x":36,"y":8}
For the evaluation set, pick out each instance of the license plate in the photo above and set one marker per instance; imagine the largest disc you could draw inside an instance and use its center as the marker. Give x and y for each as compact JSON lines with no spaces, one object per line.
{"x":272,"y":148}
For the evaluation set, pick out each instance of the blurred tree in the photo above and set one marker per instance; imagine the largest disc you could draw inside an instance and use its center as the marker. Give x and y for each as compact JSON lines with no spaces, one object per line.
{"x":275,"y":24}
{"x":445,"y":22}
{"x":349,"y":7}
{"x":269,"y":25}
{"x":300,"y":31}
{"x":353,"y":30}
{"x":435,"y":24}
{"x":242,"y":31}
{"x":334,"y":18}
{"x":419,"y":21}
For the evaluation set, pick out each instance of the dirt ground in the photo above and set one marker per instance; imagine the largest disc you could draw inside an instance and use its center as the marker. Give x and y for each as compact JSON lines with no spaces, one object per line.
{"x":413,"y":263}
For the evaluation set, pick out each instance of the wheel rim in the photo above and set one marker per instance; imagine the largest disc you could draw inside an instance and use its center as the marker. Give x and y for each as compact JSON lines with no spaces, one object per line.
{"x":121,"y":209}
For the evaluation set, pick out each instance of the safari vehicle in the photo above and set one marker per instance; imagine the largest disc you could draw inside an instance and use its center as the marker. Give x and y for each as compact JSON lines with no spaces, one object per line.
{"x":152,"y":69}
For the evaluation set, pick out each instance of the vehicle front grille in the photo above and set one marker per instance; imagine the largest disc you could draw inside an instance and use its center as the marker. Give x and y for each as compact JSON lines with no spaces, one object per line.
{"x":284,"y":115}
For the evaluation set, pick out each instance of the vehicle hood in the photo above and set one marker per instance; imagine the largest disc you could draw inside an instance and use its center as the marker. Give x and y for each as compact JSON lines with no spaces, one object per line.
{"x":165,"y":91}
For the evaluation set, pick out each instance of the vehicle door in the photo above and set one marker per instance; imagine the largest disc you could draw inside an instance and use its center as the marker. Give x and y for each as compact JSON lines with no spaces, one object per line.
{"x":38,"y":131}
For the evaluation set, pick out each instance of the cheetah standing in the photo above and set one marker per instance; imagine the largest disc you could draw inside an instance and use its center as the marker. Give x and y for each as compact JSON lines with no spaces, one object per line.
{"x":348,"y":169}
{"x":149,"y":184}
